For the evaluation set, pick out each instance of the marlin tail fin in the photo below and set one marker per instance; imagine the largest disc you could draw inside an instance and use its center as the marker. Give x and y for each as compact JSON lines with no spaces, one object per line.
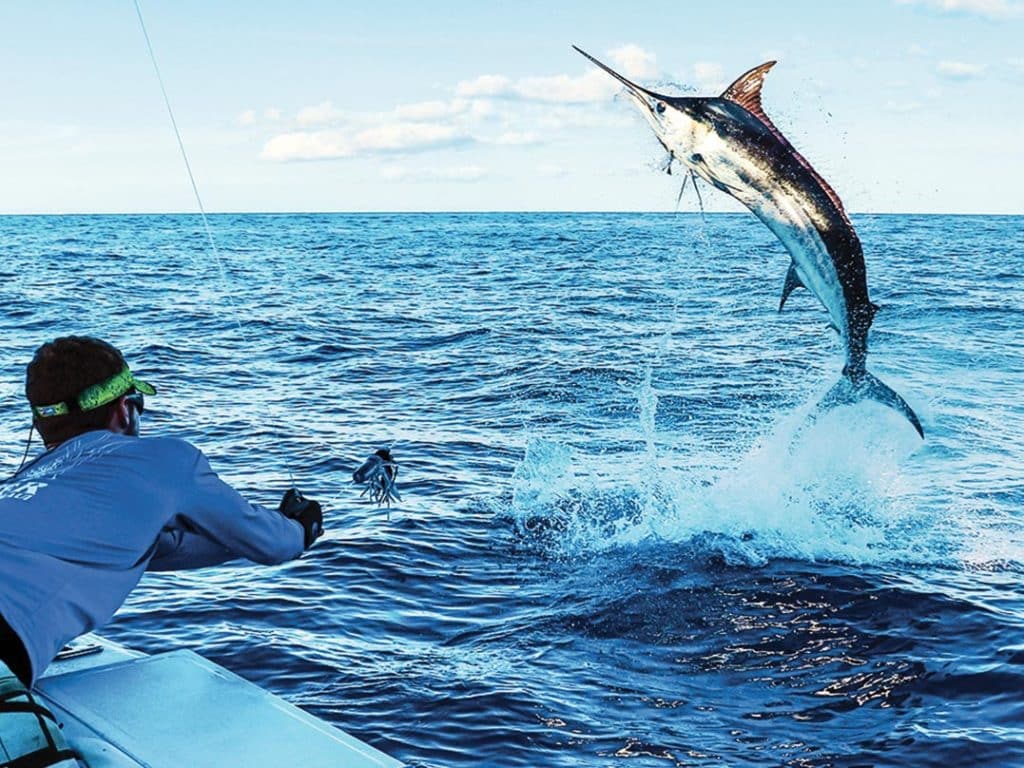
{"x":864,"y":386}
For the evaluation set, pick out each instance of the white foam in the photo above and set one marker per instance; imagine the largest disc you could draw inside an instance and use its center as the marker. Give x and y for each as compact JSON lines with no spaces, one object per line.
{"x":838,"y":489}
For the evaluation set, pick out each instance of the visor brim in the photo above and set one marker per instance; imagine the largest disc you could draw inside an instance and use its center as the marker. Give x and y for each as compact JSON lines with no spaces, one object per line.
{"x":144,"y":386}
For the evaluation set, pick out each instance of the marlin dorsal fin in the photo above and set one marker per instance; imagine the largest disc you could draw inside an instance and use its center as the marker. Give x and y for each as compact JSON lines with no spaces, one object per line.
{"x":746,"y":91}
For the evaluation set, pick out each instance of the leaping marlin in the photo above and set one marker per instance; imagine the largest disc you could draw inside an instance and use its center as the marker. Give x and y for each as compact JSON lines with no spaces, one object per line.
{"x":729,"y":142}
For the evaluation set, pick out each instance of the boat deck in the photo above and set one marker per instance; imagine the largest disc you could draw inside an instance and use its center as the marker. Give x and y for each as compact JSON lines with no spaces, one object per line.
{"x":170,"y":710}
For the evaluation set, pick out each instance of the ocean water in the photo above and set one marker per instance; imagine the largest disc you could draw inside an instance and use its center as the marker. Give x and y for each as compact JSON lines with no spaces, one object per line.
{"x":621,"y":542}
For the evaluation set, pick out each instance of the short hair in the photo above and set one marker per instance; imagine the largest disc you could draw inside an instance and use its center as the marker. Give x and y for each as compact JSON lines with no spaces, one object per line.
{"x":59,"y":371}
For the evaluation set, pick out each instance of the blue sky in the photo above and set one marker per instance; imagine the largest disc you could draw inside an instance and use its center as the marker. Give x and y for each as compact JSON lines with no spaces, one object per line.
{"x":903,"y":105}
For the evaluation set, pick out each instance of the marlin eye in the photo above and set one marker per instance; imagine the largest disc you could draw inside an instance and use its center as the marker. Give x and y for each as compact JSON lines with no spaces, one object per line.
{"x":660,"y":107}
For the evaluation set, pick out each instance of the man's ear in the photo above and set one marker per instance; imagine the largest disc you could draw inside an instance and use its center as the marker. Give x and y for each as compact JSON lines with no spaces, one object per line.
{"x":119,"y":416}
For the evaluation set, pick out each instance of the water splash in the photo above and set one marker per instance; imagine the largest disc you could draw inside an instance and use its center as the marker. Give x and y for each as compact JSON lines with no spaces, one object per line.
{"x":835,"y":491}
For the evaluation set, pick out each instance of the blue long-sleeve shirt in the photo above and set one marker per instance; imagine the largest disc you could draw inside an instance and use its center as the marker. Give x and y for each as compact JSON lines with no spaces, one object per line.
{"x":80,"y":525}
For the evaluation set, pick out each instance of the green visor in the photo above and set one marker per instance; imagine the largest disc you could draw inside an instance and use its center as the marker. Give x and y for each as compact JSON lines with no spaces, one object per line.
{"x":97,"y":395}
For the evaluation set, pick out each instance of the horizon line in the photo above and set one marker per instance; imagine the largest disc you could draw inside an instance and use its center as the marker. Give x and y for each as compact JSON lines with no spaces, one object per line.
{"x":470,"y":213}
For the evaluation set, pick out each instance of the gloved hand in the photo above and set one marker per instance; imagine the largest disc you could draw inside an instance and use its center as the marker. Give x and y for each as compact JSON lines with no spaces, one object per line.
{"x":297,"y":507}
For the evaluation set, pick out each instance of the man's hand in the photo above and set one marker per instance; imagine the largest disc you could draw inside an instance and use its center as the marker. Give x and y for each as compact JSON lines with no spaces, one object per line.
{"x":306,"y":511}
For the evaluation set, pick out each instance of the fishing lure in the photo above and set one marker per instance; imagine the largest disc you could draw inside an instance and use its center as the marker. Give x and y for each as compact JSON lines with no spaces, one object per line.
{"x":378,"y":473}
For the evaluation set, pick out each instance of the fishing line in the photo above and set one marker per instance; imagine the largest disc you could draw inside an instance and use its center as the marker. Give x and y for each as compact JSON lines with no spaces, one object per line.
{"x":184,"y":156}
{"x":192,"y":177}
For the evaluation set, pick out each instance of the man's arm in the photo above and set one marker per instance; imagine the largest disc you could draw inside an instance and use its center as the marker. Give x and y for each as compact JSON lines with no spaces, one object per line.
{"x":217,"y":512}
{"x":178,"y":550}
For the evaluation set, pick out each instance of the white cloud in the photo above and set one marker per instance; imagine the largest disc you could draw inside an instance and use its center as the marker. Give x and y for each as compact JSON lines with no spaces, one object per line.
{"x":381,"y":139}
{"x":633,"y":61}
{"x":490,"y":109}
{"x":989,"y":9}
{"x":322,"y":114}
{"x":482,"y":109}
{"x":903,"y":106}
{"x":464,"y":173}
{"x":592,"y":86}
{"x":305,"y":146}
{"x":247,"y":118}
{"x":485,"y":85}
{"x":709,"y":75}
{"x":272,"y":113}
{"x":564,"y":89}
{"x":552,"y":171}
{"x":959,"y":70}
{"x":432,"y":110}
{"x":398,"y":137}
{"x":516,"y":139}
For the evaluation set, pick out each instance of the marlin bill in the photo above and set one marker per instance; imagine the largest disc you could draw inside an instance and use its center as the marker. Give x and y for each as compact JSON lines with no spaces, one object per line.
{"x":729,"y":142}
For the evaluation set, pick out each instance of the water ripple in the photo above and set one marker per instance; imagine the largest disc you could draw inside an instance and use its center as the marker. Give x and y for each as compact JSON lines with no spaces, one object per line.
{"x":617,"y":543}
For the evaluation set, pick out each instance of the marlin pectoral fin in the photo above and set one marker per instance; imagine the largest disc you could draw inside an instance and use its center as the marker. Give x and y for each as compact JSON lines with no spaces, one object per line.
{"x":700,"y":200}
{"x":793,"y":282}
{"x":681,"y":190}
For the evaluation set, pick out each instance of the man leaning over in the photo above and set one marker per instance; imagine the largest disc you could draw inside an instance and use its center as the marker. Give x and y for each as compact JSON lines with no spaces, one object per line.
{"x":81,"y":523}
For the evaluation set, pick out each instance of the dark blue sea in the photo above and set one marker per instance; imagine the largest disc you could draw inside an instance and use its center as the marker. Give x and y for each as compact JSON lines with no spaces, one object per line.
{"x":621,"y":540}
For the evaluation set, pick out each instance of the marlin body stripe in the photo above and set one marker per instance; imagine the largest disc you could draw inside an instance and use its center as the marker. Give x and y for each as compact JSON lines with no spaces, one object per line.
{"x":729,"y":142}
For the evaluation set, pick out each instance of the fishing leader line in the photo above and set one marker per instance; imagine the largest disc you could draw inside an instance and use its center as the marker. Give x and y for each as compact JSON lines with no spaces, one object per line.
{"x":188,"y":165}
{"x":380,"y":482}
{"x":191,"y":176}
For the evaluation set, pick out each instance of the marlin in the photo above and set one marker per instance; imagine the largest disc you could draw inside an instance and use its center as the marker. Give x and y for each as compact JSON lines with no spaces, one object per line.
{"x":729,"y":142}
